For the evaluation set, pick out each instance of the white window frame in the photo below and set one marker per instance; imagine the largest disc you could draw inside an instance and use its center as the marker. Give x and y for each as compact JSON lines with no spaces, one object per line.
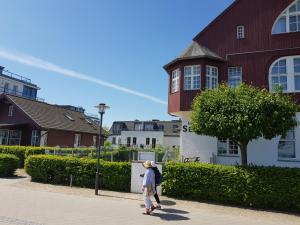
{"x":191,"y":85}
{"x":34,"y":137}
{"x":77,"y":140}
{"x":290,"y":74}
{"x":94,"y":141}
{"x":212,"y":72}
{"x":287,"y":14}
{"x":240,"y":32}
{"x":10,"y":110}
{"x":293,"y":141}
{"x":233,"y":76}
{"x":175,"y":81}
{"x":5,"y":131}
{"x":18,"y":139}
{"x":228,"y":151}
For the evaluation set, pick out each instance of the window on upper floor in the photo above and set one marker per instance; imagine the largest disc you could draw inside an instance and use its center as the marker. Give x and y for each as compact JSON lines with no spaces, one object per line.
{"x":175,"y":81}
{"x":234,"y":76}
{"x":138,"y":126}
{"x":192,"y":77}
{"x":10,"y":110}
{"x":211,"y":81}
{"x":240,"y":32}
{"x":288,"y":20}
{"x":285,"y":74}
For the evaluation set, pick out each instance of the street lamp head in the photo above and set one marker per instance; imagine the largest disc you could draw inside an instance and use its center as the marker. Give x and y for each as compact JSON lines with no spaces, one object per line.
{"x":102,"y":107}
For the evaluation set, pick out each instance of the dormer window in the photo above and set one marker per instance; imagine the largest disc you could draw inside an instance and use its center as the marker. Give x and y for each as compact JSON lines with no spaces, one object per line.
{"x":175,"y":81}
{"x":288,"y":20}
{"x":240,"y":32}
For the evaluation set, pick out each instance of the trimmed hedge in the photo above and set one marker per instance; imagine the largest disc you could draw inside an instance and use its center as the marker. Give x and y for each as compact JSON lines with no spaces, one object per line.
{"x":8,"y":165}
{"x":259,"y":187}
{"x":57,"y":170}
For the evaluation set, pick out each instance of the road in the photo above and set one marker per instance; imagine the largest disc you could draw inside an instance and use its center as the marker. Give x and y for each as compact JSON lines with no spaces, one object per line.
{"x":26,"y":203}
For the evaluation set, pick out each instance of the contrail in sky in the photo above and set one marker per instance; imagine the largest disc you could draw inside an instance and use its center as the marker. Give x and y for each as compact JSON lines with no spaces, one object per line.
{"x":45,"y":65}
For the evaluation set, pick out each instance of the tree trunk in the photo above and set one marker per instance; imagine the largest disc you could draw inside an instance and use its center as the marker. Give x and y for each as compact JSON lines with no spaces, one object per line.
{"x":243,"y":146}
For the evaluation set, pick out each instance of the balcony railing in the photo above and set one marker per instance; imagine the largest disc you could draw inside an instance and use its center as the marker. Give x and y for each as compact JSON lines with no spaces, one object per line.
{"x":20,"y":94}
{"x":16,"y":76}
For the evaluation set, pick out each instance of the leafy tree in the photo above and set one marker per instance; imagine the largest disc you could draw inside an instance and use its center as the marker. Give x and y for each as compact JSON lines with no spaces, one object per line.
{"x":243,"y":114}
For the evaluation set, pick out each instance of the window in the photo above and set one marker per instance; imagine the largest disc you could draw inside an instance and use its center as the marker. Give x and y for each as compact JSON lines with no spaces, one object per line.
{"x":34,"y":138}
{"x":6,"y":87}
{"x":14,"y":137}
{"x":175,"y":128}
{"x":153,"y":142}
{"x":10,"y":110}
{"x":227,"y":147}
{"x":161,"y":127}
{"x":286,"y":146}
{"x":117,"y":128}
{"x":289,"y":20}
{"x":211,"y":77}
{"x":134,"y":141}
{"x":128,"y":141}
{"x":4,"y":134}
{"x":192,"y":77}
{"x":29,"y":92}
{"x":240,"y":32}
{"x":138,"y":126}
{"x":285,"y":73}
{"x":69,"y":116}
{"x":77,"y":140}
{"x":119,"y":141}
{"x":149,"y":126}
{"x":234,"y":76}
{"x":15,"y":89}
{"x":113,"y":140}
{"x":147,"y":141}
{"x":94,"y":141}
{"x":175,"y":81}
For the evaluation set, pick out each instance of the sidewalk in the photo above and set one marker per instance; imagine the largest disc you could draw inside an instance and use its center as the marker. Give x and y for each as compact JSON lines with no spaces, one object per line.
{"x":24,"y":202}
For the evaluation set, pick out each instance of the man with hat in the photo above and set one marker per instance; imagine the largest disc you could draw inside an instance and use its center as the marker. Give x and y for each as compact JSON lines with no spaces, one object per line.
{"x":148,"y":186}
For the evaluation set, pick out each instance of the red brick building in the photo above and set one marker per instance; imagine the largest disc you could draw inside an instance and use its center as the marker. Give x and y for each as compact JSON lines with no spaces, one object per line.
{"x":26,"y":121}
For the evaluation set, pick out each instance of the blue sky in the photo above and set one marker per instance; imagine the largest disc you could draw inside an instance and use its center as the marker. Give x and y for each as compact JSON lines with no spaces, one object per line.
{"x":121,"y":42}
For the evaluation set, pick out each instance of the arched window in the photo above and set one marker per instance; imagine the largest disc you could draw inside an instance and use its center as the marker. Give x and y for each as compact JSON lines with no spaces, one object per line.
{"x":289,"y":19}
{"x":285,"y":73}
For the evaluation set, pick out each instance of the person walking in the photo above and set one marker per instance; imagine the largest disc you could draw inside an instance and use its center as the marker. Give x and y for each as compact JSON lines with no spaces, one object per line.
{"x":158,"y":180}
{"x":148,"y":188}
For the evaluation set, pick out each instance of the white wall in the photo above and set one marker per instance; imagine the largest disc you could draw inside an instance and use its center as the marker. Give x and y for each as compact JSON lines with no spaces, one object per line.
{"x":12,"y":83}
{"x":260,"y":152}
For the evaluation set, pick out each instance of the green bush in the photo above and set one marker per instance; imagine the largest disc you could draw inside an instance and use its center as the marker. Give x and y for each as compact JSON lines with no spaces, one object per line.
{"x":259,"y":187}
{"x":57,"y":170}
{"x":18,"y":151}
{"x":8,"y":165}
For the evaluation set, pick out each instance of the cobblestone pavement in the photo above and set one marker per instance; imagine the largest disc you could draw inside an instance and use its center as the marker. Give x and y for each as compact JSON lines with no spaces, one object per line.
{"x":26,"y":203}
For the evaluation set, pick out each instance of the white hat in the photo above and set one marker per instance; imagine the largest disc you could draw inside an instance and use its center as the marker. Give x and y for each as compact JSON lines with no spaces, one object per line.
{"x":153,"y":164}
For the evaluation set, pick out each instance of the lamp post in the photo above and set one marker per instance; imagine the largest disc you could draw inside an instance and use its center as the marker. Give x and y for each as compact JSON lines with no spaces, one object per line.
{"x":101,"y":109}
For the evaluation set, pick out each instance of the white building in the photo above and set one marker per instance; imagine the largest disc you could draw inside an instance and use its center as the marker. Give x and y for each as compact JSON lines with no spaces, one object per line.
{"x":15,"y":84}
{"x":145,"y":134}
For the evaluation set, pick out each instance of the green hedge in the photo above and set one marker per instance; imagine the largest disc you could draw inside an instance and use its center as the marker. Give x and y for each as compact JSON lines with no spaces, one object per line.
{"x":259,"y":187}
{"x":8,"y":165}
{"x":57,"y":170}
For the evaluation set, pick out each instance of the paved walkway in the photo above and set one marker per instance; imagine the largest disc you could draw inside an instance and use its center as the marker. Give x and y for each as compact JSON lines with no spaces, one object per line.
{"x":26,"y":203}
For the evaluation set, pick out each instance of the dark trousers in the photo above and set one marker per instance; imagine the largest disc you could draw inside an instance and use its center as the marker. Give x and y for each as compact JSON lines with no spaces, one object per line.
{"x":156,"y":196}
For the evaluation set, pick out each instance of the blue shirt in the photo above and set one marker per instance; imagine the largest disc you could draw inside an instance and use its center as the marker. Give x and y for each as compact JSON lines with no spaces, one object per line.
{"x":149,"y":178}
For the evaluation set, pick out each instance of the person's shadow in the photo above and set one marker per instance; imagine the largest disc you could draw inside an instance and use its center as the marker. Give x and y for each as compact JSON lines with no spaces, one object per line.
{"x":170,"y":214}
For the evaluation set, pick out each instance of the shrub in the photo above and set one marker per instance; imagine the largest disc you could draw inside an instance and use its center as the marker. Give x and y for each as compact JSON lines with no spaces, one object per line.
{"x":57,"y":170}
{"x":8,"y":165}
{"x":18,"y":151}
{"x":260,"y":187}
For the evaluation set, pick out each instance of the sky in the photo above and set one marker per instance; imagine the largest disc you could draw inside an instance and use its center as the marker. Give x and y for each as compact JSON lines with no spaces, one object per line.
{"x":85,"y":52}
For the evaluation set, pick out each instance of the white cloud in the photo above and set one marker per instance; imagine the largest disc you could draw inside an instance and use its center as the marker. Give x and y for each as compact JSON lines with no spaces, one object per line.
{"x":45,"y":65}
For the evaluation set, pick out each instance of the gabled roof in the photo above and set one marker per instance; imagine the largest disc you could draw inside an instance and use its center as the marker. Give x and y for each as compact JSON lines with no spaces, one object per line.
{"x":196,"y":51}
{"x":49,"y":116}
